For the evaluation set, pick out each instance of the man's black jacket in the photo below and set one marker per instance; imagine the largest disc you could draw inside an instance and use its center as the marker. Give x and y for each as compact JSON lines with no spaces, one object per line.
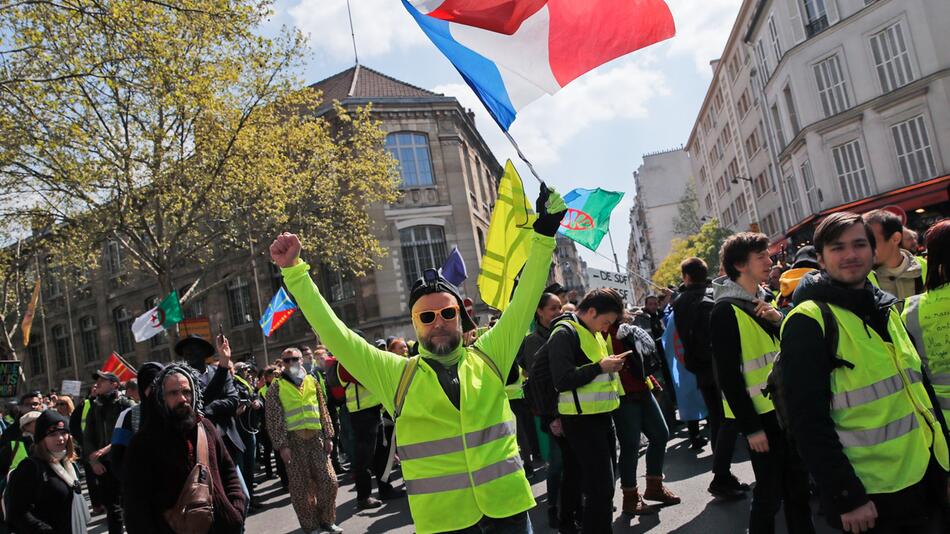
{"x":691,"y":311}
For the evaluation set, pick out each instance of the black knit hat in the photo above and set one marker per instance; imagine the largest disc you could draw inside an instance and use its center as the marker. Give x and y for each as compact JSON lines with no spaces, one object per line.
{"x":147,"y":373}
{"x":48,"y":422}
{"x":806,"y":257}
{"x":433,"y":282}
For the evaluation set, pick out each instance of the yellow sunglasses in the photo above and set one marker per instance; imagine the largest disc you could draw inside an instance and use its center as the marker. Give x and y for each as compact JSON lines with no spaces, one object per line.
{"x":449,"y":313}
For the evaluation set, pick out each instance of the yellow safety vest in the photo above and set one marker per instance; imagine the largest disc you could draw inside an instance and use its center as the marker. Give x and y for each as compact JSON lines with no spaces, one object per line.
{"x":357,"y":397}
{"x":881,"y":411}
{"x":600,"y":395}
{"x":86,"y":405}
{"x":759,"y":350}
{"x":301,"y":408}
{"x":928,"y":316}
{"x":514,"y":391}
{"x":460,"y":464}
{"x":19,"y":454}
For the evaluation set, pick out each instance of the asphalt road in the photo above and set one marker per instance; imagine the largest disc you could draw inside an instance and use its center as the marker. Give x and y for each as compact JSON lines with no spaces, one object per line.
{"x":687,"y":474}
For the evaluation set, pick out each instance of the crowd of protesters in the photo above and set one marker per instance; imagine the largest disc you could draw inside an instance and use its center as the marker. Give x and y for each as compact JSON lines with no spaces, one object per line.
{"x":832,"y":365}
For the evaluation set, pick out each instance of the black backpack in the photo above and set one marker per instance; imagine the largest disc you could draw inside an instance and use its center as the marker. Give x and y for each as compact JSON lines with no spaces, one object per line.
{"x":774,"y":389}
{"x":538,"y":387}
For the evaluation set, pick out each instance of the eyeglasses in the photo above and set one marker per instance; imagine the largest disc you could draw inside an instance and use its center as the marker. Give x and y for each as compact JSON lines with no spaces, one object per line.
{"x":291,"y":359}
{"x":449,"y":313}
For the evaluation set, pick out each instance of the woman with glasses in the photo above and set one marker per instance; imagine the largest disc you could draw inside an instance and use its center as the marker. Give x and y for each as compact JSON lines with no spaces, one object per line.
{"x":44,"y":493}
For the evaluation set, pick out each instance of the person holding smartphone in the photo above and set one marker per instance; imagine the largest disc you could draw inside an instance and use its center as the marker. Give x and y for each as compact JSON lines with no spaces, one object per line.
{"x":585,"y":376}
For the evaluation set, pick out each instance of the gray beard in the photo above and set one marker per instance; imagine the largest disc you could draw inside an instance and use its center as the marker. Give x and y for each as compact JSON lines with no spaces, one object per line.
{"x":297,"y":371}
{"x":442,"y":349}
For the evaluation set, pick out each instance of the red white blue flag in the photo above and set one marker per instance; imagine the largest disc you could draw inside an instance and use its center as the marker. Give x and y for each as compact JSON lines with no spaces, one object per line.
{"x":512,"y":52}
{"x":278,"y":311}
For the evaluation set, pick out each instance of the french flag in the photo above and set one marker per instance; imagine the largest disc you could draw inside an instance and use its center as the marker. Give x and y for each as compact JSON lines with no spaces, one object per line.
{"x":513,"y":51}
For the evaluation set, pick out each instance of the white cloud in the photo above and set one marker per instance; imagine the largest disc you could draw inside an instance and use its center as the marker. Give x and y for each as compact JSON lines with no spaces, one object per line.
{"x":547,"y":125}
{"x":702,"y":27}
{"x":381,"y":26}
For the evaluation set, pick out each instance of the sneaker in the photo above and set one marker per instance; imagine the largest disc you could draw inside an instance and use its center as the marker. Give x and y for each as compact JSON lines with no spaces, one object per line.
{"x":331,"y":528}
{"x":741,"y":486}
{"x":698,"y":443}
{"x":369,"y":502}
{"x":724,"y":489}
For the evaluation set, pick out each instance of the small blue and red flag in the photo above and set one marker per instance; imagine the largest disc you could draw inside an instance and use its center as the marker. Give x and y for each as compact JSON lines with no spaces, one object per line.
{"x":278,"y":311}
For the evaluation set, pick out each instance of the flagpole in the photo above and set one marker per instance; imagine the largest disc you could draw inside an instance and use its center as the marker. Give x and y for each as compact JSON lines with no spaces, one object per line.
{"x":49,"y":372}
{"x":72,"y":334}
{"x":522,"y":156}
{"x":611,"y":238}
{"x":257,"y":289}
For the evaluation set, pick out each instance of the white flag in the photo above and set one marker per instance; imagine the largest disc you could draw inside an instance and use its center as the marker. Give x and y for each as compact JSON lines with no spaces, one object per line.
{"x":148,"y":325}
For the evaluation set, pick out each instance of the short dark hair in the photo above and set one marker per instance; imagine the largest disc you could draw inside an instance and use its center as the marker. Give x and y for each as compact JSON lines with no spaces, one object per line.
{"x":650,"y":296}
{"x":694,"y":268}
{"x":602,"y":300}
{"x":835,"y":224}
{"x":737,"y":248}
{"x":30,"y":395}
{"x":889,"y":222}
{"x":938,"y":254}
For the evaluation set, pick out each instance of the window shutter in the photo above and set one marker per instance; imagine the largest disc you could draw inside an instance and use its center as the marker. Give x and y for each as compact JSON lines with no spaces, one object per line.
{"x":831,"y":6}
{"x":798,"y":29}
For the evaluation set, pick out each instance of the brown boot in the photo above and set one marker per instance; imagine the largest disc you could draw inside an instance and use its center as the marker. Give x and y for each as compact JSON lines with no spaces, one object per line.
{"x":634,"y":505}
{"x":656,"y":491}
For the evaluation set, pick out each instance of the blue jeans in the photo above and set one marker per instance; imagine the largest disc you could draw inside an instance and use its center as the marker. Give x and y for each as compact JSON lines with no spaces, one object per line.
{"x":632,"y":418}
{"x":515,"y":524}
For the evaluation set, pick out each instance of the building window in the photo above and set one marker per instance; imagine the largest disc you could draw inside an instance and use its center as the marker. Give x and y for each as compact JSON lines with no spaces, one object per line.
{"x":412,"y":151}
{"x":423,"y":247}
{"x":702,"y":175}
{"x":709,"y":204}
{"x":816,"y":16}
{"x":752,"y":144}
{"x":196,"y":307}
{"x":760,"y":185}
{"x":852,"y":175}
{"x":161,"y":337}
{"x":744,"y":104}
{"x":732,"y":171}
{"x":239,"y":301}
{"x":913,"y":150}
{"x":61,"y":345}
{"x":741,"y":205}
{"x":792,"y":113}
{"x":832,"y":86}
{"x":773,"y":36}
{"x":122,"y":320}
{"x":721,"y":185}
{"x":794,"y":197}
{"x":779,"y":132}
{"x":891,"y":58}
{"x":113,"y":258}
{"x":89,"y":337}
{"x":339,"y":286}
{"x":726,"y":135}
{"x":811,"y":191}
{"x":35,"y":350}
{"x":765,"y":70}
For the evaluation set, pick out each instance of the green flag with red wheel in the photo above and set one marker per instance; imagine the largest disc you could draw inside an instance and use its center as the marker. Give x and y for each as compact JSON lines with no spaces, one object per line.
{"x":588,"y":215}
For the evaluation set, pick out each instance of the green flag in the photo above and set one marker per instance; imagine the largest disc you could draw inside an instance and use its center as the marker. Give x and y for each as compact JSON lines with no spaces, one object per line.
{"x":588,"y":215}
{"x":156,"y":320}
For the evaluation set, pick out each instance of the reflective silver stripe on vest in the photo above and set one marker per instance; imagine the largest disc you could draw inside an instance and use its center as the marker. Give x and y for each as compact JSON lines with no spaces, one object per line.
{"x":455,"y":444}
{"x":877,"y":390}
{"x":302,"y":409}
{"x":589,"y":397}
{"x":301,"y":422}
{"x":759,"y":363}
{"x":941,"y":379}
{"x":876,"y":436}
{"x":756,"y":390}
{"x":459,"y":481}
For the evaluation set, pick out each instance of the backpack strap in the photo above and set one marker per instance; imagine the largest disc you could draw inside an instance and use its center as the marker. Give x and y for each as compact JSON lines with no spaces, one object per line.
{"x":489,"y":362}
{"x":408,"y":372}
{"x":201,"y":450}
{"x":831,"y":335}
{"x":570,"y":328}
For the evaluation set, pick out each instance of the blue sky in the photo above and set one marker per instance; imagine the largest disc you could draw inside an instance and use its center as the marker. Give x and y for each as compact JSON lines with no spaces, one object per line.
{"x":592,"y":133}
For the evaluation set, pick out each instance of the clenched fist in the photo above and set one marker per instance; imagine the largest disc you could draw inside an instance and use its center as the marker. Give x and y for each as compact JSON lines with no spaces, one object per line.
{"x":285,"y":250}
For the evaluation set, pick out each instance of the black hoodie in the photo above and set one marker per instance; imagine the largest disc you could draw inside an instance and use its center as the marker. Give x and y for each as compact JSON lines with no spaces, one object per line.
{"x":806,"y":366}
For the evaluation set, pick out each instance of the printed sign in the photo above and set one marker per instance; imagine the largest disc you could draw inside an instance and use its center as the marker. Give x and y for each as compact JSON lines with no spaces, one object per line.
{"x":618,"y":281}
{"x":9,"y":377}
{"x":73,"y":388}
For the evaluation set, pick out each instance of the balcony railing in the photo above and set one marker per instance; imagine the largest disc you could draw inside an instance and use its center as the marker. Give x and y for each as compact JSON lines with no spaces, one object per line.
{"x":816,"y":26}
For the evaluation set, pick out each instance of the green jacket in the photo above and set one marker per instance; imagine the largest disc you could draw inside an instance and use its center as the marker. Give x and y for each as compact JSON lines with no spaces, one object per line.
{"x":379,"y":370}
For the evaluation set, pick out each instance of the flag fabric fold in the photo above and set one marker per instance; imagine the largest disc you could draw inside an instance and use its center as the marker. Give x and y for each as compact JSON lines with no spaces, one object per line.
{"x":509,"y":238}
{"x":27,"y":324}
{"x":454,"y":269}
{"x":588,"y":215}
{"x":511,"y":52}
{"x":153,"y":322}
{"x":116,"y":365}
{"x":278,"y":311}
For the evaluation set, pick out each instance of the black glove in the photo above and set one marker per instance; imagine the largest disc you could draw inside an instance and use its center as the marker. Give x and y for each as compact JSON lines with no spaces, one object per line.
{"x":547,"y":223}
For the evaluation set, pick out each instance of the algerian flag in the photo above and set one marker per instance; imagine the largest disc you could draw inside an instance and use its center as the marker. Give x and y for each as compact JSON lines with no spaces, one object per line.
{"x":156,"y":320}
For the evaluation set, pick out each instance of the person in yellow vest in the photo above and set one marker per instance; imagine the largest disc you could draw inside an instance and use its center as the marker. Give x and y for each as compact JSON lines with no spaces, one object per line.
{"x":927,"y":315}
{"x":745,"y":339}
{"x":863,"y":418}
{"x":14,"y":445}
{"x":300,"y":430}
{"x":585,"y":375}
{"x":454,"y":429}
{"x":369,"y":457}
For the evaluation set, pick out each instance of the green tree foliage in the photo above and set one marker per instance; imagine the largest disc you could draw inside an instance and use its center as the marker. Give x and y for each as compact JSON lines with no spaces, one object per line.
{"x":688,"y":221}
{"x":180,"y":132}
{"x":704,"y":244}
